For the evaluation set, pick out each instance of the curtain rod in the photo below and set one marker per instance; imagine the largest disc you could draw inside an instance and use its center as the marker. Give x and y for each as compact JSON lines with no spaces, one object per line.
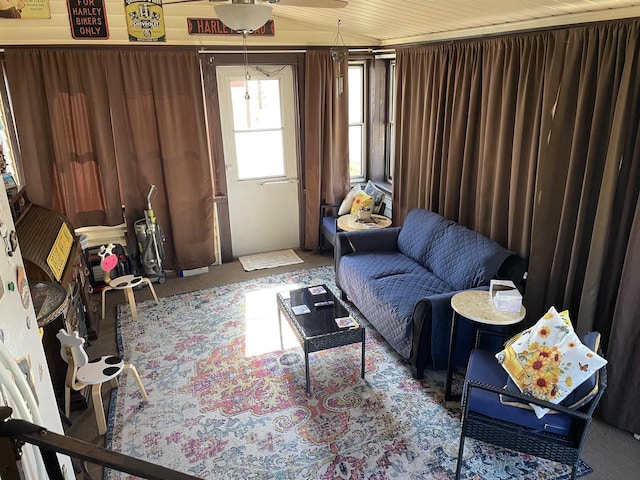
{"x":252,"y":51}
{"x":351,"y":50}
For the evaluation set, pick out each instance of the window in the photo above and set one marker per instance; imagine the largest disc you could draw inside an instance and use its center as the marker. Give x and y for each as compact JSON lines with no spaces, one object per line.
{"x":7,"y":158}
{"x":391,"y":118}
{"x":257,"y":126}
{"x":356,"y":122}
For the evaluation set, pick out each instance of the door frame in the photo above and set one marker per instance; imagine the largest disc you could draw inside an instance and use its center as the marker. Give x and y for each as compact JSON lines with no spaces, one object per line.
{"x":209,"y":61}
{"x":273,"y":191}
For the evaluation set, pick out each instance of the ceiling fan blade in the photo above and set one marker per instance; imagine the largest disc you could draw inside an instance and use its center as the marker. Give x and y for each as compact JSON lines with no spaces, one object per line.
{"x":172,"y":2}
{"x":287,"y":3}
{"x":312,"y":3}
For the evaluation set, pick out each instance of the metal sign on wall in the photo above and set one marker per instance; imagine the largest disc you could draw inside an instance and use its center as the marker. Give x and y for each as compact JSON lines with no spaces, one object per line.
{"x":145,"y":20}
{"x":25,"y":9}
{"x":214,"y":26}
{"x":88,"y":19}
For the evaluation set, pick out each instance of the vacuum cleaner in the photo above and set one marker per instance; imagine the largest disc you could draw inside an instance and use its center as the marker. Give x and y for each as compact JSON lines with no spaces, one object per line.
{"x":150,"y":243}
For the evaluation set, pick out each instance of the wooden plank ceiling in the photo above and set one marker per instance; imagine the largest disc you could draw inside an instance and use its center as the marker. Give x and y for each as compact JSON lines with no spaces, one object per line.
{"x":371,"y":23}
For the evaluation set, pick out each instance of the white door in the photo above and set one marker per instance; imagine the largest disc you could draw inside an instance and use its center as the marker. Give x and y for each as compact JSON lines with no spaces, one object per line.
{"x":259,"y":137}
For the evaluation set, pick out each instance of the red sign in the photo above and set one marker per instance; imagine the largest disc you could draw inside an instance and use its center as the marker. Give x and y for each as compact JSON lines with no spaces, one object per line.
{"x":214,"y":26}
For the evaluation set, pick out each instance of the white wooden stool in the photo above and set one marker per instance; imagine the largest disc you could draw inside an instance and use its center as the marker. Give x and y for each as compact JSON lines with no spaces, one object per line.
{"x":82,"y":372}
{"x":125,"y":282}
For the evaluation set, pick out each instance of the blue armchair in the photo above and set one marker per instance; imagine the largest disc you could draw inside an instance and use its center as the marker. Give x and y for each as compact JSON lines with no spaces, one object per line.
{"x":328,"y":226}
{"x":558,"y":437}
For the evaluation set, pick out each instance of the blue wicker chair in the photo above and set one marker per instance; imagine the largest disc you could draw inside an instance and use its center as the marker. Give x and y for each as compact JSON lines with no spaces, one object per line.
{"x":558,"y":437}
{"x":328,"y":225}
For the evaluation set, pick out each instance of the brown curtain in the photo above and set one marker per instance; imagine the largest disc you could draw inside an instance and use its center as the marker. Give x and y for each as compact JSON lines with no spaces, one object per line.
{"x":620,"y":400}
{"x":587,"y":144}
{"x":97,"y":127}
{"x":160,"y":136}
{"x":479,"y":101}
{"x":326,"y":138}
{"x":62,"y":117}
{"x":532,"y":139}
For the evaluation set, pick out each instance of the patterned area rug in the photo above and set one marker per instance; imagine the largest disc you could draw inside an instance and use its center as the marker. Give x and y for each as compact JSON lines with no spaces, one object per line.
{"x":227,"y":402}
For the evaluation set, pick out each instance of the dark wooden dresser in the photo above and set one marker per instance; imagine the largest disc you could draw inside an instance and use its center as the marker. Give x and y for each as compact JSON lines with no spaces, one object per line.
{"x":51,"y":252}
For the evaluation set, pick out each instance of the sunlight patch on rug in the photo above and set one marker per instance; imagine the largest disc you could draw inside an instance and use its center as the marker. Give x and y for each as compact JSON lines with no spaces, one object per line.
{"x":269,"y":260}
{"x":227,"y":402}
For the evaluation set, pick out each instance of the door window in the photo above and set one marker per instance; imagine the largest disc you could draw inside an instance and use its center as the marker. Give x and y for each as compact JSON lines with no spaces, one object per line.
{"x":257,"y":129}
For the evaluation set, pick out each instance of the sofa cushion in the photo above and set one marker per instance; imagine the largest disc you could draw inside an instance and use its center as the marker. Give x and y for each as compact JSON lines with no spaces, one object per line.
{"x":464,"y":258}
{"x":484,"y":368}
{"x":421,"y":230}
{"x":386,"y":286}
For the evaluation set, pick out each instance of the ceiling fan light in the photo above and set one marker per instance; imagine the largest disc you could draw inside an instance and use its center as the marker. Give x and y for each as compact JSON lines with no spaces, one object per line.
{"x":243,"y":17}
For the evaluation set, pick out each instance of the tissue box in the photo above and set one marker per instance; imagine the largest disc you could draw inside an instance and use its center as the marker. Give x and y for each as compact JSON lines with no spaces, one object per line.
{"x":505,"y":296}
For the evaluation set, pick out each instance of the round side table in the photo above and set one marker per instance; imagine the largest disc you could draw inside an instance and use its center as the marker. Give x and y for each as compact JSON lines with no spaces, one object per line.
{"x":475,"y":305}
{"x":349,"y":222}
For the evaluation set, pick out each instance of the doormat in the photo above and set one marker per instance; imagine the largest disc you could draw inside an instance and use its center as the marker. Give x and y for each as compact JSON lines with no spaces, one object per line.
{"x":269,"y":260}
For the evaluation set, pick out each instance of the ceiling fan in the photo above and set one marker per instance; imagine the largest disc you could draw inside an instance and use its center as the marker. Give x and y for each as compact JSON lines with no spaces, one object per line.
{"x":245,"y":16}
{"x":289,"y":3}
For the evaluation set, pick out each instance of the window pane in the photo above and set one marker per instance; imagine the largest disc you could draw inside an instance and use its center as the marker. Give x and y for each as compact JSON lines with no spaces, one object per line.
{"x":262,"y":110}
{"x":391,"y":132}
{"x":259,"y":154}
{"x":6,"y":154}
{"x":356,"y":85}
{"x":392,"y":152}
{"x":392,"y":92}
{"x":355,"y":151}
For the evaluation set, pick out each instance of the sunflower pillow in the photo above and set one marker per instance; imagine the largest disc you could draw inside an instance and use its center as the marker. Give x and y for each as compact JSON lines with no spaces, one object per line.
{"x":548,"y":361}
{"x":563,"y":314}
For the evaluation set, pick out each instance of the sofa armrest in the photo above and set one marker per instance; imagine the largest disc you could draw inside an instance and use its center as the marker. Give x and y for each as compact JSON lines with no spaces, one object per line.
{"x":425,"y":310}
{"x":514,"y":268}
{"x":431,"y":338}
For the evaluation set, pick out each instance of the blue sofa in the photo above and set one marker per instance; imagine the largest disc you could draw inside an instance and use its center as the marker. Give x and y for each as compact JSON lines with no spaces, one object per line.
{"x":402,"y":280}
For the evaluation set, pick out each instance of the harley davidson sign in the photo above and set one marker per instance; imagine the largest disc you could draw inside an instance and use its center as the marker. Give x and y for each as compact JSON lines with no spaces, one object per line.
{"x":214,"y":26}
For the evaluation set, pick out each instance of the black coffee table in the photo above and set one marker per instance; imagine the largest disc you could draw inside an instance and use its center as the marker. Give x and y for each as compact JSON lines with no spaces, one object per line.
{"x":318,"y":329}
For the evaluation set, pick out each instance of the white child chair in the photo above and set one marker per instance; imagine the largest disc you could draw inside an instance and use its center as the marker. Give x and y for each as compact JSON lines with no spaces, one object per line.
{"x":82,"y":372}
{"x":108,"y":262}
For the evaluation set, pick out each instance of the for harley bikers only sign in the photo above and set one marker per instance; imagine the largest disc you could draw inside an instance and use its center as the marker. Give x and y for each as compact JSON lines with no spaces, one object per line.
{"x":88,"y":19}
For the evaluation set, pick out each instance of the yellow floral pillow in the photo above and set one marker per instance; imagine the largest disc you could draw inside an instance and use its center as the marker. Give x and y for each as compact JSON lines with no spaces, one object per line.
{"x":563,"y":314}
{"x":548,"y":361}
{"x":360,"y":201}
